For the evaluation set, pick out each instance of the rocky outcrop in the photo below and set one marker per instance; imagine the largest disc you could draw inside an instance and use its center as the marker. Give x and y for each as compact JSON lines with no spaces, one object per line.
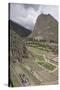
{"x":46,"y":28}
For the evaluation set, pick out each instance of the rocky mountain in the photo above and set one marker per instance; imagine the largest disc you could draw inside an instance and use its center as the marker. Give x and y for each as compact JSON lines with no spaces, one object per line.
{"x":46,"y":28}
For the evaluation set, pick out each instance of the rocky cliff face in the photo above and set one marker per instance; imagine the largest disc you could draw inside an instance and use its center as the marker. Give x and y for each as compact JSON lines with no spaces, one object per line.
{"x":46,"y":28}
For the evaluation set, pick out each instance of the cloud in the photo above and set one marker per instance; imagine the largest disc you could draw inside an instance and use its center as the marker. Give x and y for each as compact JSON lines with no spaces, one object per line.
{"x":26,"y":14}
{"x":53,"y":10}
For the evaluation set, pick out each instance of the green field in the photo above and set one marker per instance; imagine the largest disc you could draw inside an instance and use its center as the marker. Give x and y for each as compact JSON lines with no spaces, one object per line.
{"x":47,"y":65}
{"x":40,"y":60}
{"x":40,"y":46}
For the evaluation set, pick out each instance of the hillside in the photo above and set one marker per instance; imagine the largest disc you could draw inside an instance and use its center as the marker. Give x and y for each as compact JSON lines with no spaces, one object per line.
{"x":32,"y":62}
{"x":18,"y":49}
{"x":23,"y":32}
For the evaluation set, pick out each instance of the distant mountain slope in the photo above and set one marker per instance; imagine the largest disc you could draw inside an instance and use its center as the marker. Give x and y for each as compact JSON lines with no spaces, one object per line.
{"x":18,"y":49}
{"x":23,"y":32}
{"x":46,"y":28}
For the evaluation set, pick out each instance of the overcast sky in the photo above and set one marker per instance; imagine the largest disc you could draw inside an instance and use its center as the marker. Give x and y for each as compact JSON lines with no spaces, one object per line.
{"x":26,"y":14}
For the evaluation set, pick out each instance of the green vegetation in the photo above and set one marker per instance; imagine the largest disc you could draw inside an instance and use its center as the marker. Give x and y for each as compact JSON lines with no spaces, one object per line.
{"x":41,"y":58}
{"x":40,"y":46}
{"x":47,"y":65}
{"x":43,"y":45}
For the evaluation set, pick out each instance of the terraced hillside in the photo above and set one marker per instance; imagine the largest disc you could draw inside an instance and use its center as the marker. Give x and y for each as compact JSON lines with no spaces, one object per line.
{"x":31,"y":62}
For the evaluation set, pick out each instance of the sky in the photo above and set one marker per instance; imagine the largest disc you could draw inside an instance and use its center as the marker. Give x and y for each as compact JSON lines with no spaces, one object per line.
{"x":26,"y":14}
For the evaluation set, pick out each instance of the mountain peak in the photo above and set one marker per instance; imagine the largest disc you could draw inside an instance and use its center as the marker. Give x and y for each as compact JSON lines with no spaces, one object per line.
{"x":46,"y":28}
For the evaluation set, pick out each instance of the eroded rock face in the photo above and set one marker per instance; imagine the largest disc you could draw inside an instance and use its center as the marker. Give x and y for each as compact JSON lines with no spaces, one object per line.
{"x":46,"y":28}
{"x":18,"y":49}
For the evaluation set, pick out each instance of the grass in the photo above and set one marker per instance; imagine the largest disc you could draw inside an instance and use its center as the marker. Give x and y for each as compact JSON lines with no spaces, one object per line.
{"x":36,"y":51}
{"x":41,"y":58}
{"x":41,"y":61}
{"x":47,"y":65}
{"x":40,"y":46}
